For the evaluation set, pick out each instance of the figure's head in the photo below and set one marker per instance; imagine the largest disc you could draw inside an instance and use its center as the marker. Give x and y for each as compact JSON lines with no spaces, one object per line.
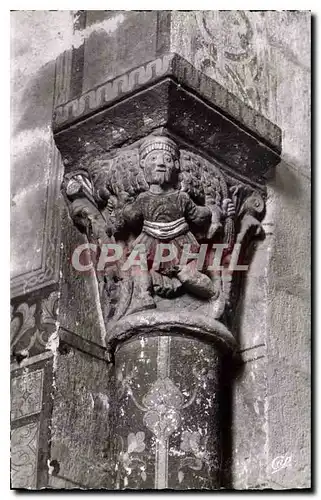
{"x":159,"y":157}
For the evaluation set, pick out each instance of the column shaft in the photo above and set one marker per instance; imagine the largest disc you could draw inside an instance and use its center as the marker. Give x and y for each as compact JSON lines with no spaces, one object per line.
{"x":166,"y":414}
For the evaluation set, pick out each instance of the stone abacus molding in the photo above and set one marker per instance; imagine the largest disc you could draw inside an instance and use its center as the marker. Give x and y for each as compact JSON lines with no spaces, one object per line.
{"x":179,"y":69}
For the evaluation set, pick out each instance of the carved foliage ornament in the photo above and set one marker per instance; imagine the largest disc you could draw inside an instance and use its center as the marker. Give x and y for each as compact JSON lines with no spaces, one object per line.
{"x":32,"y":325}
{"x":24,"y":450}
{"x":154,"y":206}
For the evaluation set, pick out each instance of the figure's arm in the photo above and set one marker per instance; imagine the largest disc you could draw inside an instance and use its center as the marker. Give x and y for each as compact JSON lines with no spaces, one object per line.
{"x":195,"y":214}
{"x":219,"y":215}
{"x":129,"y":217}
{"x":83,"y":210}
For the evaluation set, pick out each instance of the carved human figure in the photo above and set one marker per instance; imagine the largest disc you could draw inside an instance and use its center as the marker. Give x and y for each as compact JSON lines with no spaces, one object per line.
{"x":162,"y":202}
{"x":167,"y":216}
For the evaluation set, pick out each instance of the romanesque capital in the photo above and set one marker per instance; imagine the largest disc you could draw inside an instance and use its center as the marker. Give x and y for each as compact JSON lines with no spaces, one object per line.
{"x":168,"y":231}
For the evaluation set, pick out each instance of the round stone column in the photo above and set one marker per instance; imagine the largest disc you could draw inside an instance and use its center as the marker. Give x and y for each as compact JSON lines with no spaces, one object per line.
{"x":166,"y":409}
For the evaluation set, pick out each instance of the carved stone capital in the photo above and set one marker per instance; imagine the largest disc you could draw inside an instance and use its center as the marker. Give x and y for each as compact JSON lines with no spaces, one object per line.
{"x":186,"y":220}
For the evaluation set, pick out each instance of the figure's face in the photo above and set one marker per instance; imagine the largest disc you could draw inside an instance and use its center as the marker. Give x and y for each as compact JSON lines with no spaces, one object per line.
{"x":160,"y":167}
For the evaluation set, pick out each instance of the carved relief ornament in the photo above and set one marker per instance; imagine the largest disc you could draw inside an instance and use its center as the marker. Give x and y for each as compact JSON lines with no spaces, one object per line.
{"x":168,"y":227}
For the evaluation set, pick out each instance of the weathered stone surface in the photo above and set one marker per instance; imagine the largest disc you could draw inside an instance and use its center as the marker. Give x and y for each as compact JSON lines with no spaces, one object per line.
{"x":174,"y":66}
{"x":33,"y":321}
{"x":35,"y":164}
{"x":260,"y":57}
{"x":140,"y":307}
{"x":289,"y":329}
{"x":192,"y":323}
{"x":263,"y":59}
{"x":24,"y":456}
{"x":35,"y":237}
{"x":167,"y":104}
{"x":31,"y":404}
{"x":249,"y":325}
{"x":26,"y":395}
{"x":79,"y":306}
{"x":251,"y":440}
{"x":162,"y":383}
{"x":247,"y":52}
{"x":125,"y":123}
{"x":105,"y":44}
{"x":80,"y":428}
{"x":128,"y":40}
{"x":157,"y":193}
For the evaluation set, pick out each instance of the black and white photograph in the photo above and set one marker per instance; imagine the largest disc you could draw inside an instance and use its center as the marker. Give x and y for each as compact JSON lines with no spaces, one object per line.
{"x":160,"y":250}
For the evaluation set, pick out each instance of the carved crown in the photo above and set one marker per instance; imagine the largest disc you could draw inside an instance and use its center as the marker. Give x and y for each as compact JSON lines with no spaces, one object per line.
{"x":158,"y":143}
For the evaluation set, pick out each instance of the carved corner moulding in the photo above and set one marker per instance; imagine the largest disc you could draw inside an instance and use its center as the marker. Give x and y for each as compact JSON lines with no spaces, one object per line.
{"x":170,"y":65}
{"x":168,"y":92}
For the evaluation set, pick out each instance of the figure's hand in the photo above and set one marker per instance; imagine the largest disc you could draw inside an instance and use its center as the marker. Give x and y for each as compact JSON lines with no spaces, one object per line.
{"x":99,"y":229}
{"x":123,"y":198}
{"x":73,"y":188}
{"x":214,"y":227}
{"x":228,"y":207}
{"x":103,"y":194}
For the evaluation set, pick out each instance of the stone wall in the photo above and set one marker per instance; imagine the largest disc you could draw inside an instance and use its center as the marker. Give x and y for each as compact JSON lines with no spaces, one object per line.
{"x":35,"y":166}
{"x":263,"y":59}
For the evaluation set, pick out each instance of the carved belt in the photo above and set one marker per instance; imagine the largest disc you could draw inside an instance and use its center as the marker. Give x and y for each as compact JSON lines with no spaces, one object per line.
{"x":166,"y":230}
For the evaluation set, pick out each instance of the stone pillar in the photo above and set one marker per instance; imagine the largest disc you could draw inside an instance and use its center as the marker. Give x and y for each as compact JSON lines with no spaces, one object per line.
{"x":159,"y":153}
{"x":166,"y":414}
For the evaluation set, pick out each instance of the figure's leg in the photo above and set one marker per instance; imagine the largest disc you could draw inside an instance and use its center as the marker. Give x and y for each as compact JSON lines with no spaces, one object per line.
{"x":195,"y":281}
{"x":142,"y":290}
{"x":141,"y":297}
{"x":165,"y":286}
